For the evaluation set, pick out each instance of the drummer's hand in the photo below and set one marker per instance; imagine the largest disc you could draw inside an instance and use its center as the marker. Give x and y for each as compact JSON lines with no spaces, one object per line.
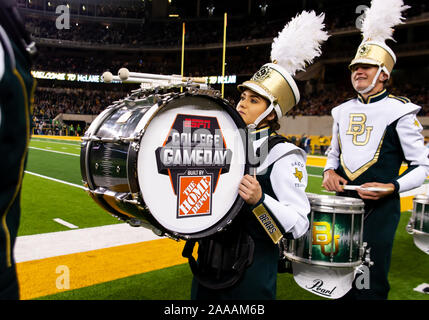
{"x":250,"y":189}
{"x":332,"y":181}
{"x":375,"y":195}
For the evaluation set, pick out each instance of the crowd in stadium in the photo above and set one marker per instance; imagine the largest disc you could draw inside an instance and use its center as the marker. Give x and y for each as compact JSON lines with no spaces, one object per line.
{"x":316,"y":100}
{"x":49,"y":102}
{"x":168,"y":33}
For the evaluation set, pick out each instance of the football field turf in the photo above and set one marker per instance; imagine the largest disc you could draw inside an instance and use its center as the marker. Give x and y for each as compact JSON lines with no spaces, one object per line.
{"x":70,"y":248}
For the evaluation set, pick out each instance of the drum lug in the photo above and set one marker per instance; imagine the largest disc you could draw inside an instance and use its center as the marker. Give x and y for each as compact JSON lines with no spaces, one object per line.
{"x":110,"y":140}
{"x":94,"y":138}
{"x":129,"y":139}
{"x":175,"y":236}
{"x":135,"y":146}
{"x":366,"y":255}
{"x":136,"y":202}
{"x":135,"y":222}
{"x":410,"y":226}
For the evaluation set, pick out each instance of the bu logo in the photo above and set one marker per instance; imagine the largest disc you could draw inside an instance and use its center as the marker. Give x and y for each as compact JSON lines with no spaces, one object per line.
{"x":322,"y":235}
{"x":357,"y":128}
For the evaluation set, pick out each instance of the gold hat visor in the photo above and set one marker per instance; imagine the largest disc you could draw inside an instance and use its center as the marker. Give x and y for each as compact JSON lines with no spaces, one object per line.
{"x":374,"y":54}
{"x":275,"y":86}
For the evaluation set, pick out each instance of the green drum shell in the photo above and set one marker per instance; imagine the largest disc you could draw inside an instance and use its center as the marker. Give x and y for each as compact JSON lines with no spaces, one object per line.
{"x":420,"y":215}
{"x":334,"y":237}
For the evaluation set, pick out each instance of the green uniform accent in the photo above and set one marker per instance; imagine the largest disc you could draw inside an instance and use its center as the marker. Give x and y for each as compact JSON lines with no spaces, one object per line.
{"x":16,"y":95}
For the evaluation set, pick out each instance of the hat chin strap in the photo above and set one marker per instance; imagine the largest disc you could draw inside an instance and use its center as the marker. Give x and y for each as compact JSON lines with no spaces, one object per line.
{"x":263,"y":115}
{"x":372,"y":85}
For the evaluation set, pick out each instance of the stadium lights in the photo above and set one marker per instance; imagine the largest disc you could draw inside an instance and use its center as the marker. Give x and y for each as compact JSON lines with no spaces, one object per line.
{"x":263,"y":8}
{"x":210,"y":9}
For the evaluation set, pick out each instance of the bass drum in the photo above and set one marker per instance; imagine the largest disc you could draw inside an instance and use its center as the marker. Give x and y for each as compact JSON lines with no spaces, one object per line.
{"x":169,"y":162}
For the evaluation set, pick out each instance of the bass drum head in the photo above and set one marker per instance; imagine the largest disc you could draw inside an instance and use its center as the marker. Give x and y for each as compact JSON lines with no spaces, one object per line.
{"x":191,"y":160}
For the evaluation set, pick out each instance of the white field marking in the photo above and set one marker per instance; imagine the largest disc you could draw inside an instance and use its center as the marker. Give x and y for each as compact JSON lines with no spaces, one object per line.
{"x":57,"y":142}
{"x":69,"y":154}
{"x":65,"y":223}
{"x":46,"y":245}
{"x":56,"y":180}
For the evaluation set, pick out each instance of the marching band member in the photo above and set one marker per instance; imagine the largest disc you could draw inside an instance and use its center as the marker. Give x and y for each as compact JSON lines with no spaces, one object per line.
{"x":372,"y":135}
{"x":242,"y":262}
{"x":16,"y":94}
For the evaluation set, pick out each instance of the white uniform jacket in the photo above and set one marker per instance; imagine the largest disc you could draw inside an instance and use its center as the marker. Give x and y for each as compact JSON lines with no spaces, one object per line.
{"x":358,"y":134}
{"x":288,"y":178}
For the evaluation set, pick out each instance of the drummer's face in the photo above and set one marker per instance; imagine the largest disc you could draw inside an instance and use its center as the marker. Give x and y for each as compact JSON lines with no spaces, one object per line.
{"x":250,"y":106}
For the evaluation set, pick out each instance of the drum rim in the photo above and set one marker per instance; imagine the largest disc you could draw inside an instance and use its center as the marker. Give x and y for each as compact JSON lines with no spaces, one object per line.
{"x":295,"y":258}
{"x":335,"y":204}
{"x":421,"y":198}
{"x":419,"y":232}
{"x":317,"y":198}
{"x":87,"y":175}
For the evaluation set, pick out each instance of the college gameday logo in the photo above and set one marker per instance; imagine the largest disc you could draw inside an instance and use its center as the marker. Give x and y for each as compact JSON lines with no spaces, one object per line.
{"x":194,"y":155}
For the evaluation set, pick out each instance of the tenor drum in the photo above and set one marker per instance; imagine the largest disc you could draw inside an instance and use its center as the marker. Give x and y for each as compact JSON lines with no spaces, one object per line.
{"x":169,"y":162}
{"x":325,"y":258}
{"x":418,"y":225}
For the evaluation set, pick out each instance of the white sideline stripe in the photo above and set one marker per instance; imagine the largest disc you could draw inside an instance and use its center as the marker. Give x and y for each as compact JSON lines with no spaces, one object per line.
{"x":65,"y":223}
{"x":56,"y":180}
{"x":46,"y":245}
{"x":76,"y":145}
{"x":67,"y":153}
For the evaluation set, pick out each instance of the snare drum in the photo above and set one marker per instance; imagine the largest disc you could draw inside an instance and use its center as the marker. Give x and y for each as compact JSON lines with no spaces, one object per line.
{"x":418,"y":225}
{"x":325,"y":258}
{"x":169,"y":162}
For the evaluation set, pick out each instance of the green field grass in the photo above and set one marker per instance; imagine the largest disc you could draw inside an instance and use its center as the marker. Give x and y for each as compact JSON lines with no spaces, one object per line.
{"x":43,"y":200}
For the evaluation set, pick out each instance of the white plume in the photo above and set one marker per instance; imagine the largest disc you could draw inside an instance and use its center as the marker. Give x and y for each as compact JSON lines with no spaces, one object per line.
{"x":380,"y":19}
{"x":299,"y":42}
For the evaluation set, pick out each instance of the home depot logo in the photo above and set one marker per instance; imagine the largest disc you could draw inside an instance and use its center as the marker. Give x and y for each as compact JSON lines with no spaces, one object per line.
{"x":194,"y":155}
{"x":195,"y":196}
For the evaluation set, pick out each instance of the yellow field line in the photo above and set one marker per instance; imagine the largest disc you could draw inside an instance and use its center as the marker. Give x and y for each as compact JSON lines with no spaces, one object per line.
{"x":40,"y":278}
{"x":57,"y":137}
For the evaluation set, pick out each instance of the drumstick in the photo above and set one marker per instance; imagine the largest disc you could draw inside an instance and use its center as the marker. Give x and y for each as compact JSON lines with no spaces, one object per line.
{"x":375,"y":189}
{"x":125,"y":74}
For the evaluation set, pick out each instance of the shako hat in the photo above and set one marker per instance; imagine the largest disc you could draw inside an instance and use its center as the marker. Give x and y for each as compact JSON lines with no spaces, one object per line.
{"x":376,"y":28}
{"x":292,"y":50}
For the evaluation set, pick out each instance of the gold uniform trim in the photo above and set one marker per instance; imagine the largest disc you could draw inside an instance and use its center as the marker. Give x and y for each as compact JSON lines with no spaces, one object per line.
{"x":268,"y":223}
{"x":370,"y":98}
{"x":21,"y":168}
{"x":376,"y":53}
{"x":353,"y":175}
{"x":402,"y":99}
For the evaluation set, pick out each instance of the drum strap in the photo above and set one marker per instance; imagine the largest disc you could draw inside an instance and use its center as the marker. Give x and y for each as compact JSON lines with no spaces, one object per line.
{"x":271,"y":141}
{"x":222,"y":258}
